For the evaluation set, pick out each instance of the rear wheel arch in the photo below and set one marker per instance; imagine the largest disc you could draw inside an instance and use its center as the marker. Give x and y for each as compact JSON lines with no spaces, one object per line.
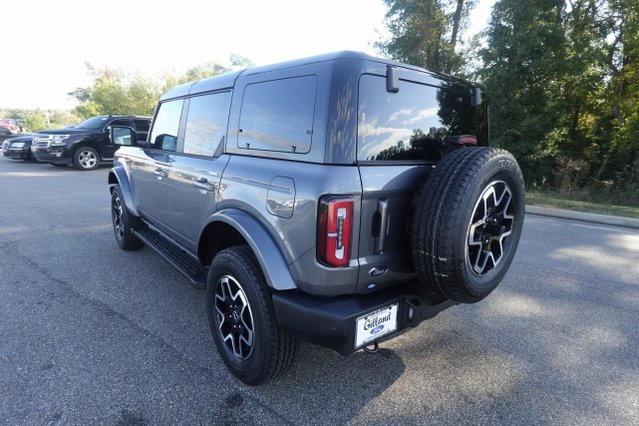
{"x":232,"y":227}
{"x":215,"y":237}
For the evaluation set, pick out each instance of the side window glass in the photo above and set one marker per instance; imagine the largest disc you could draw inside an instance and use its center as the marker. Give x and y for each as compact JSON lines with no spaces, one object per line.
{"x":120,"y":123}
{"x":278,"y":115}
{"x":206,"y":123}
{"x":141,"y":126}
{"x":166,"y":125}
{"x":122,"y":136}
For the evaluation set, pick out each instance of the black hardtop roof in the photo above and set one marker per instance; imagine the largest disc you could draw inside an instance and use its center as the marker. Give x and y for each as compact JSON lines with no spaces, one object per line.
{"x":226,"y":81}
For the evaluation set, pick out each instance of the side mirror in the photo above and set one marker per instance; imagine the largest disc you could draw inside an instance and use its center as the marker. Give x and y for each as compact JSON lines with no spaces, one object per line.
{"x":123,"y":136}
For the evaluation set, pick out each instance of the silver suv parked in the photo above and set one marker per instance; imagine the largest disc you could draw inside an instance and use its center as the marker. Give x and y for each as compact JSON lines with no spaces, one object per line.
{"x":341,"y":199}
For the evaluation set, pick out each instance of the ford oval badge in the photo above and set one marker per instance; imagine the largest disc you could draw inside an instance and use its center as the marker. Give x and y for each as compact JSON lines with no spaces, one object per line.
{"x":377,"y":329}
{"x":378,"y":270}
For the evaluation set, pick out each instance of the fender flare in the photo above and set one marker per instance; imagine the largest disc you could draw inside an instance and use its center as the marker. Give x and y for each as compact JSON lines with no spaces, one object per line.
{"x":118,"y":176}
{"x":268,"y":254}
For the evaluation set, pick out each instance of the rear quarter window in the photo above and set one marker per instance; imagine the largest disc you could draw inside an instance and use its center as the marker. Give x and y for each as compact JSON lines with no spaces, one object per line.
{"x":278,"y":115}
{"x":409,"y":125}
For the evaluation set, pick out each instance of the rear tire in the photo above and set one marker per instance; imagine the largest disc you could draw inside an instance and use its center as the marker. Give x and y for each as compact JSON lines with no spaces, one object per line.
{"x":242,"y":319}
{"x":466,"y":223}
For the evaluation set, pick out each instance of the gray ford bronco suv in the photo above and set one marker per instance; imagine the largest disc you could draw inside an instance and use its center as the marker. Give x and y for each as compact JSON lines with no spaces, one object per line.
{"x":339,"y":199}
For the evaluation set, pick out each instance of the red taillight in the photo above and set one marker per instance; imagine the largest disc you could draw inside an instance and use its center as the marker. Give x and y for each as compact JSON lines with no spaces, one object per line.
{"x":334,"y":228}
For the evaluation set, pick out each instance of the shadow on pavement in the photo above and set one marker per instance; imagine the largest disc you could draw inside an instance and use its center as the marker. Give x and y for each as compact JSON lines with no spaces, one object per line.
{"x":325,"y":387}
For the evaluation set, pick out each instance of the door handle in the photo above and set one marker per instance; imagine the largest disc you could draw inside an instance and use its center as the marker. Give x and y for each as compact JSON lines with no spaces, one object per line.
{"x":203,"y":183}
{"x":160,"y":173}
{"x":382,"y":210}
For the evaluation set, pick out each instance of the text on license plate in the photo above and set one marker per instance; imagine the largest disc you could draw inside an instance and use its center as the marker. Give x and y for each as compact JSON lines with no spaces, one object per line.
{"x":371,"y":327}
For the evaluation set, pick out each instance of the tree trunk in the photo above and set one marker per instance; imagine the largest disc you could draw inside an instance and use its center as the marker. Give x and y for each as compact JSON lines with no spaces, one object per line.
{"x":574,"y":123}
{"x":456,"y":23}
{"x":618,"y":74}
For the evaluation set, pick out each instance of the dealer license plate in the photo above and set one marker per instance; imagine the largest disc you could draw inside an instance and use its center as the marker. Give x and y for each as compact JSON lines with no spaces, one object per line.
{"x":371,"y":327}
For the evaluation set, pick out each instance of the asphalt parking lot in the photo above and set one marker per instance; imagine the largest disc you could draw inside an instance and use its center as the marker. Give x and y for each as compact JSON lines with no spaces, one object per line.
{"x":89,"y":333}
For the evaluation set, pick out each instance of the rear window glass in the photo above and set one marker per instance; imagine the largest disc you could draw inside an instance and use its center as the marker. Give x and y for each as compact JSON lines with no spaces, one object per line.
{"x":409,"y":125}
{"x":278,"y":115}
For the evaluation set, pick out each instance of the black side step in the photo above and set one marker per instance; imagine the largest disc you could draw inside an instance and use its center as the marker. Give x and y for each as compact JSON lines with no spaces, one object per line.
{"x":184,"y":262}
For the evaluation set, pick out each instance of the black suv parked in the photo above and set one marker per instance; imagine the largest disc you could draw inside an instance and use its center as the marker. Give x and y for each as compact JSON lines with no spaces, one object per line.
{"x":88,"y":144}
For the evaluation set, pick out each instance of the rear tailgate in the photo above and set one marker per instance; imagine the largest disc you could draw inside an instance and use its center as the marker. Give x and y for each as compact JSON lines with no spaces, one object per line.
{"x":402,"y":135}
{"x":384,"y":248}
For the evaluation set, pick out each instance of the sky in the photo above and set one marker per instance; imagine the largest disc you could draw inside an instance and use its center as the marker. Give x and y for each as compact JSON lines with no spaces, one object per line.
{"x":48,"y":43}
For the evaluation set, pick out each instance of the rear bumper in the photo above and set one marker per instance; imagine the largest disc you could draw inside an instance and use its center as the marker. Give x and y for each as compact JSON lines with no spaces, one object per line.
{"x":331,"y":322}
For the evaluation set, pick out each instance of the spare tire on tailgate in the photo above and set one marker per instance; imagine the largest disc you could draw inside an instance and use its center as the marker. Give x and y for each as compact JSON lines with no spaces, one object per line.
{"x":466,"y":222}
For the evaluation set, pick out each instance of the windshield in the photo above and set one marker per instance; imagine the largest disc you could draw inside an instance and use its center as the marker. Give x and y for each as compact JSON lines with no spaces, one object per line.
{"x":93,"y":123}
{"x":414,"y":124}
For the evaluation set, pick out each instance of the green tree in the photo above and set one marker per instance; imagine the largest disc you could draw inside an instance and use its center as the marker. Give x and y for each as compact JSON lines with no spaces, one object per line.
{"x":621,"y":155}
{"x":195,"y":73}
{"x":240,"y":62}
{"x":33,"y":120}
{"x":112,"y":92}
{"x":562,"y":79}
{"x":116,"y":92}
{"x":523,"y":66}
{"x":562,"y":76}
{"x":426,"y":32}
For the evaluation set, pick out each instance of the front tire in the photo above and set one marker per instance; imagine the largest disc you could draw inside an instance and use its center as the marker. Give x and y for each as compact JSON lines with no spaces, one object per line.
{"x":86,"y":158}
{"x":123,"y":222}
{"x":242,"y":319}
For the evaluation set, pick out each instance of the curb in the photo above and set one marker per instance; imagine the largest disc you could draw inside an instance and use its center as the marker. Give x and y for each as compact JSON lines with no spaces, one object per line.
{"x":583,"y":216}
